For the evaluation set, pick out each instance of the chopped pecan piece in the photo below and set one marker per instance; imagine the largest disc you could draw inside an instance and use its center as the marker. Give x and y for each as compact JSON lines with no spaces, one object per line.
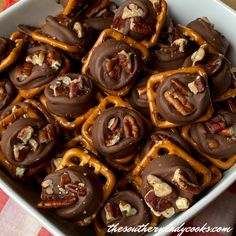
{"x":112,"y":212}
{"x":65,"y":179}
{"x":131,"y":128}
{"x":127,"y":208}
{"x":25,"y":134}
{"x":125,"y":60}
{"x":77,"y":189}
{"x":20,"y":151}
{"x":114,"y":138}
{"x":216,"y":124}
{"x":198,"y":85}
{"x":132,"y":10}
{"x":47,"y":134}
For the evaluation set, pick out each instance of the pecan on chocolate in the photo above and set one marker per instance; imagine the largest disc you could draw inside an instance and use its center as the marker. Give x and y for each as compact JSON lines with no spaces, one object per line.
{"x":47,"y":134}
{"x":198,"y":85}
{"x":65,"y":179}
{"x":112,"y":212}
{"x":57,"y":203}
{"x":131,"y":128}
{"x":216,"y":124}
{"x":127,"y":208}
{"x":213,"y":65}
{"x":180,"y":179}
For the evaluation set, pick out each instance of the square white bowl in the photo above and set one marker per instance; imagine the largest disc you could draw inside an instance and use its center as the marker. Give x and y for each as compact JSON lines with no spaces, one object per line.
{"x":33,"y":12}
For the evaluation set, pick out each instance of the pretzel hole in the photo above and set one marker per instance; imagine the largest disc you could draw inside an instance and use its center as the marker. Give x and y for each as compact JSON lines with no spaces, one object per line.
{"x":76,"y":160}
{"x":163,"y":152}
{"x":102,"y":179}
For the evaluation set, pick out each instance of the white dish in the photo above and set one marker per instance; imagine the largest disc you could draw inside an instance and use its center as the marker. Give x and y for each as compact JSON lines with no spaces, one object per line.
{"x":33,"y":12}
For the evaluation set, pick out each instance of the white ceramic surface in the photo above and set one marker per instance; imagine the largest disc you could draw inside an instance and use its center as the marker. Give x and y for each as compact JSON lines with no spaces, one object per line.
{"x":33,"y":12}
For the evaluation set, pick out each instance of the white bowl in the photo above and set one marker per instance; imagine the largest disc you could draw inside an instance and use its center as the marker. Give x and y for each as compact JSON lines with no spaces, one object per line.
{"x":33,"y":12}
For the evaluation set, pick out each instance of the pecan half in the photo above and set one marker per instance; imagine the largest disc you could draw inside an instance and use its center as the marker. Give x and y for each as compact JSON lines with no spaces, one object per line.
{"x":179,"y":102}
{"x":112,"y":212}
{"x":57,"y":203}
{"x":181,"y":181}
{"x":131,"y":128}
{"x":181,"y":87}
{"x":78,"y":189}
{"x":216,"y":124}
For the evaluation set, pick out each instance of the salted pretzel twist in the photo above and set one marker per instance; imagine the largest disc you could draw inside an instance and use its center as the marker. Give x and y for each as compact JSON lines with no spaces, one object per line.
{"x":221,"y":164}
{"x":152,"y":85}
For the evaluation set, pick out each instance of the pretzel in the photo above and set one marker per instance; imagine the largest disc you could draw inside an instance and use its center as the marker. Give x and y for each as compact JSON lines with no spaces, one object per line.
{"x":152,"y":85}
{"x":13,"y":56}
{"x":105,"y":103}
{"x":64,"y":122}
{"x":69,"y":7}
{"x":98,"y":168}
{"x":110,"y":33}
{"x":124,"y":183}
{"x":160,"y":20}
{"x":196,"y":37}
{"x":221,"y":164}
{"x":172,"y":150}
{"x":16,"y":114}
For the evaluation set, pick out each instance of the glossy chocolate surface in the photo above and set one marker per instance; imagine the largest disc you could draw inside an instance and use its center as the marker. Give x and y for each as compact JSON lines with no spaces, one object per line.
{"x":7,"y":93}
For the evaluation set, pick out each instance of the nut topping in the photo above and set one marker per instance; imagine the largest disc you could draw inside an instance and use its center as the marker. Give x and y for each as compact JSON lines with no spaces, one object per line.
{"x":112,"y":212}
{"x":161,"y":189}
{"x":46,"y":134}
{"x":25,"y":134}
{"x":182,"y":203}
{"x":48,"y":186}
{"x":179,"y":102}
{"x":213,"y":65}
{"x":20,"y":171}
{"x":65,"y":179}
{"x":181,"y":87}
{"x":198,"y":85}
{"x":212,"y":143}
{"x":113,"y":123}
{"x":37,"y":58}
{"x":181,"y":181}
{"x":78,"y":27}
{"x":127,"y":208}
{"x":216,"y":124}
{"x":181,"y":43}
{"x":198,"y":55}
{"x":114,"y":138}
{"x":125,"y":60}
{"x":229,"y":132}
{"x":132,"y":11}
{"x":131,"y":128}
{"x":20,"y":151}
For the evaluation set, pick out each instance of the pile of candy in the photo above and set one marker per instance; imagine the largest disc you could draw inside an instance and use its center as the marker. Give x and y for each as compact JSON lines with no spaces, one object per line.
{"x":118,"y":112}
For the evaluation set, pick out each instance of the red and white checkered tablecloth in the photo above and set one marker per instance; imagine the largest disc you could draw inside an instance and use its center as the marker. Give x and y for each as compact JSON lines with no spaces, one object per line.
{"x":221,"y":212}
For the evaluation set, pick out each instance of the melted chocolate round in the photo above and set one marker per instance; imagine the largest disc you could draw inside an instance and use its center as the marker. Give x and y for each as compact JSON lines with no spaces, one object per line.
{"x":217,"y":137}
{"x":78,"y":183}
{"x":117,"y":203}
{"x":138,"y":97}
{"x":7,"y":93}
{"x":40,"y":66}
{"x":119,"y":132}
{"x":28,"y":142}
{"x":203,"y":27}
{"x":70,"y":95}
{"x":136,"y":18}
{"x":114,"y":64}
{"x":183,"y":98}
{"x":165,"y":168}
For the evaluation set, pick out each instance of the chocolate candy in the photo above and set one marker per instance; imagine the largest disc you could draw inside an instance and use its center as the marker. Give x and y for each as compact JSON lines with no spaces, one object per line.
{"x":119,"y":132}
{"x":126,"y":208}
{"x":206,"y":29}
{"x":216,"y":137}
{"x":28,"y":142}
{"x":114,"y":64}
{"x":7,"y":93}
{"x":136,"y":18}
{"x":73,"y":193}
{"x":40,"y":66}
{"x":168,"y":185}
{"x":70,"y":95}
{"x":183,"y":98}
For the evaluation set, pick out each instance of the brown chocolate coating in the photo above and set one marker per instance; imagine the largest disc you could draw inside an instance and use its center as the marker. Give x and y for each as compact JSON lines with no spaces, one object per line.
{"x":198,"y":103}
{"x":17,"y":147}
{"x":7,"y":93}
{"x":164,"y":168}
{"x":159,"y":135}
{"x":40,"y":66}
{"x":108,"y":68}
{"x":70,"y":95}
{"x":138,"y":97}
{"x":212,"y":137}
{"x":218,"y":70}
{"x":119,"y":132}
{"x":6,"y":46}
{"x":78,"y":182}
{"x":211,"y":35}
{"x":141,"y":217}
{"x":140,"y":26}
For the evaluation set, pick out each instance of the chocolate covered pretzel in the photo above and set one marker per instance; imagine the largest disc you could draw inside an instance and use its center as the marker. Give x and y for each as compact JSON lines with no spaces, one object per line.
{"x":119,"y":132}
{"x":73,"y":193}
{"x":169,"y":185}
